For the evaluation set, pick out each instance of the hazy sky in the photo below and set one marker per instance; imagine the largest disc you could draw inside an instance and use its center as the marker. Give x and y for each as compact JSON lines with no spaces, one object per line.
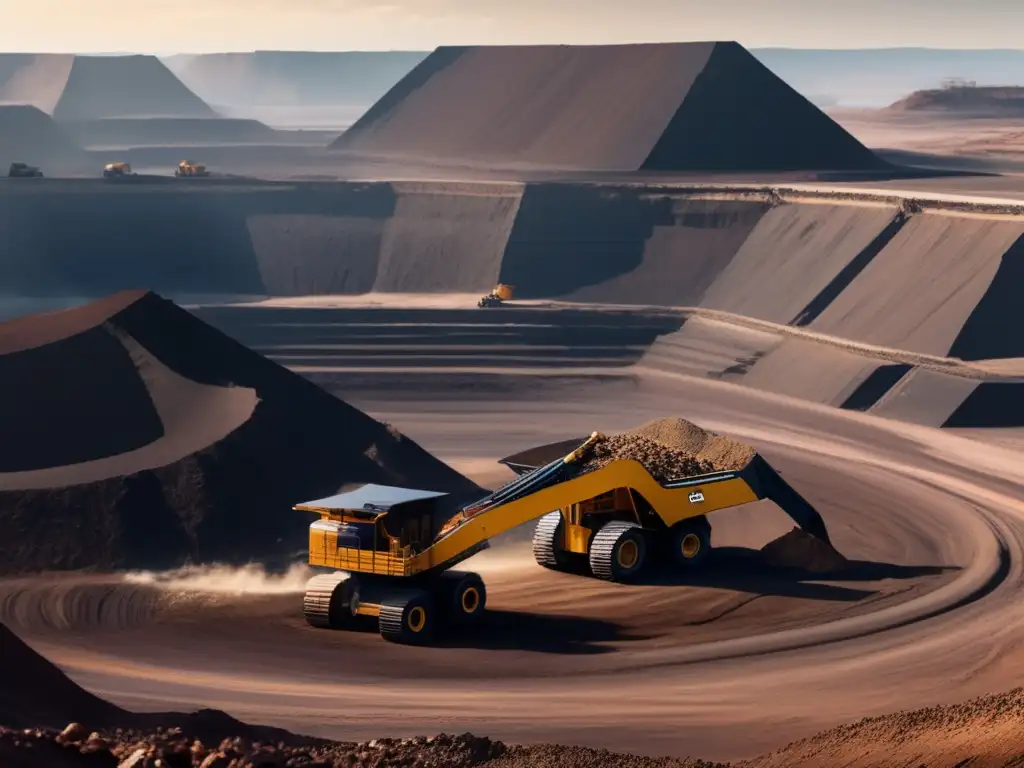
{"x":166,"y":26}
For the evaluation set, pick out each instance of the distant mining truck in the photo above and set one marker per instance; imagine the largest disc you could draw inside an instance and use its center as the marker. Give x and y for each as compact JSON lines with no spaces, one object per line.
{"x":117,"y":170}
{"x":499,"y":295}
{"x":23,"y":171}
{"x":188,"y":169}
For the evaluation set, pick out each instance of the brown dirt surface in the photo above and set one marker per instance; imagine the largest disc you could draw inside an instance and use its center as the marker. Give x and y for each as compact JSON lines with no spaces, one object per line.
{"x":799,"y":549}
{"x":981,"y":733}
{"x":559,"y":756}
{"x":177,"y":433}
{"x":76,"y":745}
{"x":676,"y":433}
{"x":45,"y":716}
{"x":724,"y":453}
{"x":33,"y":691}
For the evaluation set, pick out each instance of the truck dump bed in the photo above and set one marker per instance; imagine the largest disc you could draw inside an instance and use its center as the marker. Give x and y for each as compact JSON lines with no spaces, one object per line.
{"x":565,"y":481}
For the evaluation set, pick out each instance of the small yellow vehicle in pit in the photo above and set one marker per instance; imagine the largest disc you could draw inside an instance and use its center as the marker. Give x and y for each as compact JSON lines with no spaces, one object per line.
{"x":499,"y":294}
{"x":188,"y":170}
{"x":118,"y":170}
{"x":392,"y":551}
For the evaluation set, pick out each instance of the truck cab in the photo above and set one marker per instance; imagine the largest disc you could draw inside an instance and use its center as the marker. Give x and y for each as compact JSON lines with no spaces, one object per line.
{"x":374,"y":529}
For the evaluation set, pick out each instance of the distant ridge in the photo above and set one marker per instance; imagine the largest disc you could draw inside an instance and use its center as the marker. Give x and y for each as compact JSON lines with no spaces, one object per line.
{"x":97,"y":87}
{"x":675,"y":106}
{"x":966,"y":101}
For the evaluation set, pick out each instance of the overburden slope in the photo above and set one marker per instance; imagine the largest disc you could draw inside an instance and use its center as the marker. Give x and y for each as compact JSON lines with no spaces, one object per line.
{"x":72,"y":87}
{"x":679,"y":106}
{"x":138,"y":436}
{"x":27,"y":134}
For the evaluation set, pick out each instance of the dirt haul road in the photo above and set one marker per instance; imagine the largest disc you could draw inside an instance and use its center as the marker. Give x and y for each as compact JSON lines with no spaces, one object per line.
{"x":741,"y":662}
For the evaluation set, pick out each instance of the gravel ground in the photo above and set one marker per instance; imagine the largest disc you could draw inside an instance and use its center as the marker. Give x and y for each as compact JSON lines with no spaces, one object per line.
{"x":662,"y":462}
{"x":171,"y":748}
{"x":671,"y":449}
{"x":980,"y":733}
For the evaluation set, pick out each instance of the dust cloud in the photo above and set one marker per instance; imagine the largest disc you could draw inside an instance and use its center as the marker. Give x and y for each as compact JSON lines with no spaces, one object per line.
{"x":250,"y":579}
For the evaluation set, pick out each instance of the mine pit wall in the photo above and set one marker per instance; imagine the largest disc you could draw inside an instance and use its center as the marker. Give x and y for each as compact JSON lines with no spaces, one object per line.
{"x":88,"y":238}
{"x":926,"y":283}
{"x":712,"y":349}
{"x":945,"y":282}
{"x":811,"y":371}
{"x":925,"y":397}
{"x":996,"y":404}
{"x":446,"y":240}
{"x":935,"y":282}
{"x":794,"y":255}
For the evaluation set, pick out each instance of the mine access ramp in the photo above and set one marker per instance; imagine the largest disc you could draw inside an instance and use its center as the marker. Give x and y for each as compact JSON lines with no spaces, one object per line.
{"x":390,"y":553}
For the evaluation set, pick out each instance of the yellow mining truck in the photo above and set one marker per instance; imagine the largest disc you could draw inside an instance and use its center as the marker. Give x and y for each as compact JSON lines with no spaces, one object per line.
{"x":391,"y":551}
{"x":499,"y":295}
{"x":117,"y":170}
{"x":188,"y":169}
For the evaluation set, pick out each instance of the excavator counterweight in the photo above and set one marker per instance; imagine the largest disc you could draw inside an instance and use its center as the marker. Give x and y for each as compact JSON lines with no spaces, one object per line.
{"x":390,"y":552}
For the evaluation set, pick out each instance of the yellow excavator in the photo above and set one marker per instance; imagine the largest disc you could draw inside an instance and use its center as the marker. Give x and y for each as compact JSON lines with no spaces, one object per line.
{"x":391,"y":551}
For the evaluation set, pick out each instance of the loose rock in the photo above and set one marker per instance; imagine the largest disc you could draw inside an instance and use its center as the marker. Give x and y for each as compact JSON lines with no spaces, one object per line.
{"x":671,"y":449}
{"x":801,"y":550}
{"x":73,"y":733}
{"x":662,"y":462}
